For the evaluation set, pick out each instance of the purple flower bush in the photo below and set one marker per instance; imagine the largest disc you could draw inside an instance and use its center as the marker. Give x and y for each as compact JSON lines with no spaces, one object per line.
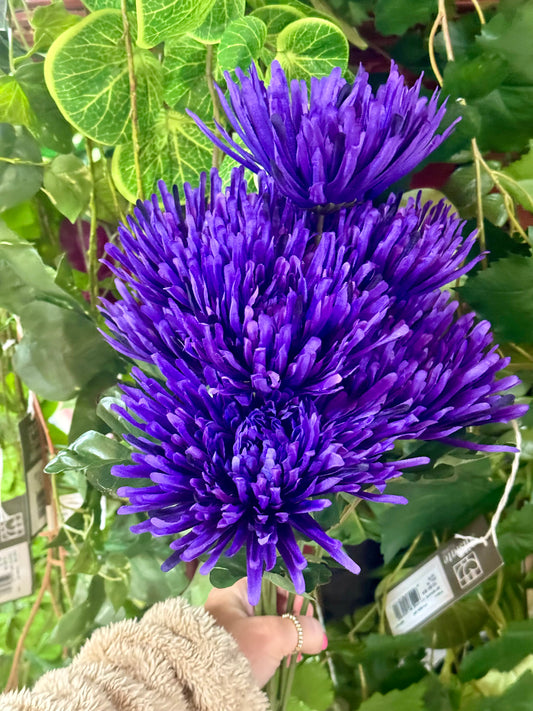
{"x":287,"y":351}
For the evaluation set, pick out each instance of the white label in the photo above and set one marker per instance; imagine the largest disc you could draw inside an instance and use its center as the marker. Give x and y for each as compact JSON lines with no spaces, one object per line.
{"x":15,"y":572}
{"x":418,"y":597}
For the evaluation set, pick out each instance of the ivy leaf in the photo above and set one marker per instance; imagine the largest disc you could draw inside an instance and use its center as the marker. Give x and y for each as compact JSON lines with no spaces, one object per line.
{"x":14,"y":104}
{"x":60,"y":352}
{"x":394,"y":17}
{"x":503,"y":294}
{"x":174,"y":151}
{"x":184,"y":76}
{"x":21,"y":174}
{"x":48,"y":22}
{"x":86,"y":71}
{"x":277,"y":17}
{"x":67,"y":182}
{"x":241,"y":43}
{"x":409,"y":699}
{"x":160,"y":21}
{"x":311,"y":48}
{"x":312,"y":685}
{"x":51,"y":128}
{"x":220,"y":16}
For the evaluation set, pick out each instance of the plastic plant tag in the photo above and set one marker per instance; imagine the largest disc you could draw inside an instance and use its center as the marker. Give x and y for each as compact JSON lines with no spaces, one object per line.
{"x":34,"y":457}
{"x":456,"y":568}
{"x":16,"y":576}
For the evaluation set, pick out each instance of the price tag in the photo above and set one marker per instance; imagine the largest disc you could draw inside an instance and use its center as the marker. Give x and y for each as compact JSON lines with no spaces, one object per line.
{"x":455,"y":569}
{"x":16,"y":576}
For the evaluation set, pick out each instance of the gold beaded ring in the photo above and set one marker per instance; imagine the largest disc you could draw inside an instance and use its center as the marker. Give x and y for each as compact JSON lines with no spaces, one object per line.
{"x":299,"y":631}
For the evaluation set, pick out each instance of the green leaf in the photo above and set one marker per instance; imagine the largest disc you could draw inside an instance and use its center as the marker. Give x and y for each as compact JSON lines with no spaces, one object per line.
{"x":24,"y":278}
{"x":312,"y":685}
{"x":86,"y":561}
{"x":311,"y":48}
{"x":23,"y":219}
{"x":48,"y":23}
{"x":116,"y":592}
{"x":518,"y":697}
{"x":116,"y":422}
{"x":95,"y":5}
{"x":521,"y":192}
{"x":67,"y":182}
{"x":277,"y":17}
{"x":461,"y":187}
{"x":148,"y":582}
{"x":437,"y":504}
{"x":506,"y":118}
{"x":503,"y":294}
{"x":515,"y":535}
{"x":94,"y":454}
{"x":457,"y":624}
{"x":394,"y":17}
{"x":86,"y":72}
{"x":522,"y":169}
{"x":160,"y":21}
{"x":220,"y":16}
{"x":508,"y":34}
{"x":474,"y":77}
{"x":60,"y":352}
{"x":184,"y":73}
{"x":241,"y":43}
{"x":20,"y":171}
{"x":85,"y":415}
{"x":409,"y":699}
{"x":503,"y":653}
{"x":14,"y":104}
{"x":297,"y":705}
{"x":175,"y":151}
{"x":51,"y":128}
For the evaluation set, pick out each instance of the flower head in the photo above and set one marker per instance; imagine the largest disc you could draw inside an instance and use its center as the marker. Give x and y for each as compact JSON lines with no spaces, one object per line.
{"x":338,"y":144}
{"x":224,"y":477}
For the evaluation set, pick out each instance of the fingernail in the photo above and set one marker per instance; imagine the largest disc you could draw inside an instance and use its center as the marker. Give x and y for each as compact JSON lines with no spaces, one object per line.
{"x":299,"y":658}
{"x":324,"y":643}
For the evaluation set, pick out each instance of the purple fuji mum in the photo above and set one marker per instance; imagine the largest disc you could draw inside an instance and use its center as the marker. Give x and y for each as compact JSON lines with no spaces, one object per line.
{"x":336,"y":145}
{"x":225,"y":478}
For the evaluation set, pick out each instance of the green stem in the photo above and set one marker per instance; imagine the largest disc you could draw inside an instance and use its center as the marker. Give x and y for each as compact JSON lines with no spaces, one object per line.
{"x":133,"y":100}
{"x":92,"y":254}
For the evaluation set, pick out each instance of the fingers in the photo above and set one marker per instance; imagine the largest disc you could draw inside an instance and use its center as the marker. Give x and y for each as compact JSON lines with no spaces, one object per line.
{"x":287,"y":635}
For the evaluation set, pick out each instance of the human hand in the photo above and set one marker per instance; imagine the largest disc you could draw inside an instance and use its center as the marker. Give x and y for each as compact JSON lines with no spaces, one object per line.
{"x":264,"y":640}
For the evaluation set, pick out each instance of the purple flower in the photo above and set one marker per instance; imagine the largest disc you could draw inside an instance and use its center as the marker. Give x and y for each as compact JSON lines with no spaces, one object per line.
{"x":340,"y":144}
{"x":224,"y":477}
{"x":243,"y":295}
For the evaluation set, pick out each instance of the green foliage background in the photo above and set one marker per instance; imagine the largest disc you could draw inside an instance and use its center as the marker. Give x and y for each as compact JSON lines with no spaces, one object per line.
{"x":92,"y":114}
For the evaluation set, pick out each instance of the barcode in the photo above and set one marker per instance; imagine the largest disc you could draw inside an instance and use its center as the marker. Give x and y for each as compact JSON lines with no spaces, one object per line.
{"x":406,"y":603}
{"x":6,"y":582}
